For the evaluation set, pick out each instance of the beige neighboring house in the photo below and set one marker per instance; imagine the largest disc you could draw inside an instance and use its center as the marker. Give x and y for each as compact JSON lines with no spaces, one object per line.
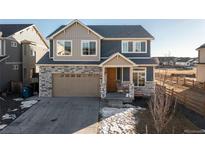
{"x":200,"y":74}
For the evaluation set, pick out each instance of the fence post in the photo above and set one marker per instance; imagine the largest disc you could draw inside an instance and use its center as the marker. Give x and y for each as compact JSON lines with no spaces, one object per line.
{"x":184,"y":81}
{"x":193,"y":83}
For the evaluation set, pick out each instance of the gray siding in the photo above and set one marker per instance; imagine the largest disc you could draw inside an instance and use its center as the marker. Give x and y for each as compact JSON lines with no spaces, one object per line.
{"x":150,"y":73}
{"x":7,"y":74}
{"x":51,"y":48}
{"x":109,"y":47}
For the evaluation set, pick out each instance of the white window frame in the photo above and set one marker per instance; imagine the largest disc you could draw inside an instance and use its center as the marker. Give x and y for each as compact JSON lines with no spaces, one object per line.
{"x":88,"y":41}
{"x":15,"y":67}
{"x":64,"y":47}
{"x":1,"y":51}
{"x":13,"y":44}
{"x":33,"y":53}
{"x":134,"y":47}
{"x":138,"y":71}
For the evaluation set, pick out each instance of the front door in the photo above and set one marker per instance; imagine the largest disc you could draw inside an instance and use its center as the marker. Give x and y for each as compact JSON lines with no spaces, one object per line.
{"x":111,"y":80}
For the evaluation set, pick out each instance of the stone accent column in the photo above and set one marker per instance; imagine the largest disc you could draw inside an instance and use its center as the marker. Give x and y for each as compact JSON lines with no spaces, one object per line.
{"x":103,"y":89}
{"x":131,"y":91}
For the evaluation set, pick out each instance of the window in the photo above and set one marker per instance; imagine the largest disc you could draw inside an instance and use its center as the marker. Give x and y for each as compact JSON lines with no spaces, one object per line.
{"x":13,"y":44}
{"x":134,"y":47}
{"x":64,"y":47}
{"x":88,"y":48}
{"x":33,"y":53}
{"x":15,"y":67}
{"x":123,"y":74}
{"x":139,"y":77}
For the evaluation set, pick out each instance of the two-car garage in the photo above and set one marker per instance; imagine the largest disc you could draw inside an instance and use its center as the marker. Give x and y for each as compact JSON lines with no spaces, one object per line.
{"x":76,"y":85}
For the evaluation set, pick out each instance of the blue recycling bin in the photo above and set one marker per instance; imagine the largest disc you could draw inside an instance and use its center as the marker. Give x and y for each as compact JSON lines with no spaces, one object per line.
{"x":26,"y":92}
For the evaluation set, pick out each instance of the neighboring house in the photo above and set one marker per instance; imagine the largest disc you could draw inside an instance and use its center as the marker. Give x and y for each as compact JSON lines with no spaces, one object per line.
{"x":183,"y":61}
{"x":21,"y":46}
{"x":166,"y":61}
{"x":200,"y":73}
{"x":96,"y":60}
{"x":186,"y":61}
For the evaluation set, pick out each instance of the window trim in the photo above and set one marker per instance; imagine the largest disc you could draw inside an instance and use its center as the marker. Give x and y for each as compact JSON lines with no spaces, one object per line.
{"x":15,"y":67}
{"x":145,"y":71}
{"x":82,"y":41}
{"x":71,"y":41}
{"x":134,"y":47}
{"x":12,"y":44}
{"x":122,"y":74}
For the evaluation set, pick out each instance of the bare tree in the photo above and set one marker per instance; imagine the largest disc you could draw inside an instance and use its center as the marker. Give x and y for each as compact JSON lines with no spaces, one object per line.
{"x":162,"y":107}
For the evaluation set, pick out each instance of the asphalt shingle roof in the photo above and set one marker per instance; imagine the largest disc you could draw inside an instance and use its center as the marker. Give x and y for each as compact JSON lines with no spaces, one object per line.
{"x":202,"y":46}
{"x":9,"y":29}
{"x":116,"y":31}
{"x":46,"y":60}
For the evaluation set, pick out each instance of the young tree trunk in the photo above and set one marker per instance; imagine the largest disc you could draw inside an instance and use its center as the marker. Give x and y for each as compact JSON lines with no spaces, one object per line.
{"x":162,"y":107}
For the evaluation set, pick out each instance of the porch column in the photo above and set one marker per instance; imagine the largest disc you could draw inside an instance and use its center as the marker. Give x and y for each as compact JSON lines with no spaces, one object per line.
{"x":103,"y":84}
{"x":131,"y":75}
{"x":131,"y":85}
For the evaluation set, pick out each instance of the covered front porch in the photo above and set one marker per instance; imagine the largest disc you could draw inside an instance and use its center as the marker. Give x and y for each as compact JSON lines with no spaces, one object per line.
{"x":117,"y":77}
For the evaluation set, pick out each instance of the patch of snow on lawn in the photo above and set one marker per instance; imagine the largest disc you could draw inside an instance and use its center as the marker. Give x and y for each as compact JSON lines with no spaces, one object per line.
{"x":18,"y":99}
{"x":14,"y":110}
{"x":27,"y":104}
{"x":8,"y":116}
{"x":2,"y":126}
{"x":118,"y":120}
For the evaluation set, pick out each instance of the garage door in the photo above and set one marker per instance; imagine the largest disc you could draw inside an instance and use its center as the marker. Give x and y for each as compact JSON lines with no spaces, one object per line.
{"x":76,"y":85}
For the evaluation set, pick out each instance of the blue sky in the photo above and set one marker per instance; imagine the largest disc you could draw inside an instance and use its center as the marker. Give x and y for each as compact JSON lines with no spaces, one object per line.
{"x":172,"y":37}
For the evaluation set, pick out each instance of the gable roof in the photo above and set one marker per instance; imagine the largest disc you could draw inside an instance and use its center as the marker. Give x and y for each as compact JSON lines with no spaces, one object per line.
{"x":9,"y":29}
{"x":63,"y":27}
{"x":121,"y":31}
{"x":3,"y":58}
{"x":202,"y":46}
{"x":115,"y":55}
{"x":112,"y":31}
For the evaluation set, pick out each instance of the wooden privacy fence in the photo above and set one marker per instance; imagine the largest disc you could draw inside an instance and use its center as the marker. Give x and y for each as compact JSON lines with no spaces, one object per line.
{"x":186,"y":100}
{"x":181,"y":81}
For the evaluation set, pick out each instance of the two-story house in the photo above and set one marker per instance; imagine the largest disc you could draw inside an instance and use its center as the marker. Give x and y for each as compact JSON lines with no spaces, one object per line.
{"x":21,"y":46}
{"x":96,"y":60}
{"x":200,"y":73}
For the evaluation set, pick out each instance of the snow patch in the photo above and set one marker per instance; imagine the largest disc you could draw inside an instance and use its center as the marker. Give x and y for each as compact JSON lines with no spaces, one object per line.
{"x":18,"y":99}
{"x":27,"y":104}
{"x":8,"y":116}
{"x":14,"y":110}
{"x":2,"y":126}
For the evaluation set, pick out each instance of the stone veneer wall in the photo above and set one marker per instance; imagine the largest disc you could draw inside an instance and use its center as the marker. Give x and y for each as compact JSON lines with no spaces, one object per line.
{"x":148,"y":89}
{"x":45,"y":75}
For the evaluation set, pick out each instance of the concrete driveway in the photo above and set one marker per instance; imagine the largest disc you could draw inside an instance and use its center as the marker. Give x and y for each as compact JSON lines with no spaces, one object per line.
{"x":58,"y":116}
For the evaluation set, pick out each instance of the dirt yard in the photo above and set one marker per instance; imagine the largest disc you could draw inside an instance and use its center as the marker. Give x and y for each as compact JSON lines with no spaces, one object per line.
{"x":176,"y":71}
{"x":137,"y":119}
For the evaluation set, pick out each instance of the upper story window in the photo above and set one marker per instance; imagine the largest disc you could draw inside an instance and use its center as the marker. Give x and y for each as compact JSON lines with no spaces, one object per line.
{"x":89,"y":47}
{"x":13,"y":44}
{"x":134,"y":47}
{"x":64,"y":47}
